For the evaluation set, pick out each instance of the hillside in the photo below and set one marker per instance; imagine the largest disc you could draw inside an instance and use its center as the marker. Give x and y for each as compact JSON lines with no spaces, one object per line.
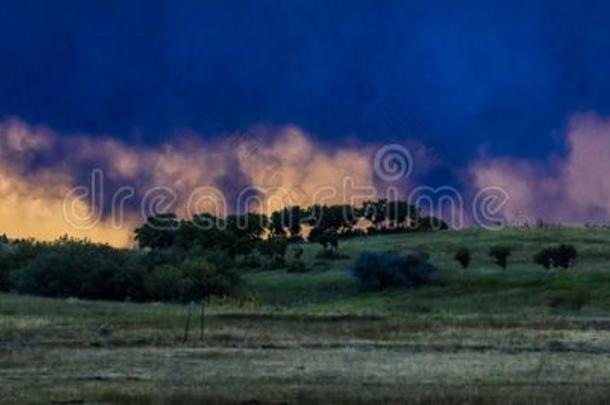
{"x":484,"y":334}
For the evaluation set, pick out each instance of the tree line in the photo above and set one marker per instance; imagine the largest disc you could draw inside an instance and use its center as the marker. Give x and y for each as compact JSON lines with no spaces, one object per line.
{"x":187,"y":259}
{"x":325,"y":224}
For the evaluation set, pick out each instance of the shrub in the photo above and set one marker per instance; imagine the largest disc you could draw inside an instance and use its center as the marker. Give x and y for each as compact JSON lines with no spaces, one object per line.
{"x":462,"y":256}
{"x":127,"y":281}
{"x":331,"y":254}
{"x":79,"y":269}
{"x":273,"y":247}
{"x":500,"y":253}
{"x":274,"y":251}
{"x":544,"y":257}
{"x":558,"y":256}
{"x":6,"y":264}
{"x":377,"y":271}
{"x":74,"y":268}
{"x":573,"y":299}
{"x":566,"y":255}
{"x":194,"y":279}
{"x":163,"y":283}
{"x":274,"y":263}
{"x":298,"y":251}
{"x":418,"y":252}
{"x":328,"y":239}
{"x":297,"y":266}
{"x":202,"y":278}
{"x":249,"y":261}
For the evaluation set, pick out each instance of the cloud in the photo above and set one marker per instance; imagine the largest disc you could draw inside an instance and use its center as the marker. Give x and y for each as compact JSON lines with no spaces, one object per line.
{"x":32,"y":195}
{"x":101,"y":188}
{"x":295,"y":171}
{"x":572,"y":189}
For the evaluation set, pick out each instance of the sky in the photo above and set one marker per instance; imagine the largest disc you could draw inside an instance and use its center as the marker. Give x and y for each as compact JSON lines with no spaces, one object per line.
{"x":482,"y":94}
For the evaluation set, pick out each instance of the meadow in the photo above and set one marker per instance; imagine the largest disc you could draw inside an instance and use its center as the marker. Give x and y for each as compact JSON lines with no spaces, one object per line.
{"x":481,"y":335}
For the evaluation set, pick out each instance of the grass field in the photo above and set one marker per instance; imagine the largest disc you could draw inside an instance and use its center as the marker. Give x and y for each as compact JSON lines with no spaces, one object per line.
{"x":484,"y":335}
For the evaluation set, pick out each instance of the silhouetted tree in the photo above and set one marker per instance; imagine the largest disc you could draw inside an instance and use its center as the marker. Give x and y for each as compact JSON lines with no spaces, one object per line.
{"x":398,"y":212}
{"x":375,"y":212}
{"x":462,"y":256}
{"x":158,"y":232}
{"x":500,"y":253}
{"x":274,"y":249}
{"x":287,"y":221}
{"x":560,"y":256}
{"x":243,"y":231}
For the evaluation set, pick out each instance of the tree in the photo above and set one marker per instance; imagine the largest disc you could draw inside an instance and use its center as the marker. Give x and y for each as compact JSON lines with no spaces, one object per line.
{"x":276,"y":223}
{"x":375,"y":212}
{"x":560,"y":256}
{"x":274,"y":249}
{"x":295,"y":218}
{"x":158,"y":232}
{"x":377,"y":271}
{"x":242,"y":232}
{"x":298,"y":251}
{"x":204,"y":231}
{"x":336,"y":219}
{"x":202,"y":278}
{"x":462,"y":256}
{"x":500,"y":253}
{"x":398,"y":212}
{"x":287,"y":221}
{"x":248,"y":226}
{"x":566,"y":255}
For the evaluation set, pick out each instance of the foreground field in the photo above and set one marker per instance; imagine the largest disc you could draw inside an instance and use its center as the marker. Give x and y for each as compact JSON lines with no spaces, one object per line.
{"x":485,"y":335}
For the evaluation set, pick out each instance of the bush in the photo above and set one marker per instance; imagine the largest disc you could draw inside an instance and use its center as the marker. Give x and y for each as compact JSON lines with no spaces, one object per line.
{"x":274,"y":263}
{"x":249,"y":261}
{"x":462,"y":256}
{"x":569,"y":299}
{"x":127,"y":281}
{"x":79,"y":269}
{"x":500,"y":253}
{"x":163,"y":283}
{"x":377,"y":271}
{"x":274,"y":252}
{"x":558,"y":256}
{"x":72,"y":268}
{"x":273,"y":247}
{"x":298,"y":251}
{"x":202,"y":278}
{"x":297,"y":266}
{"x":194,"y":279}
{"x":330,"y":254}
{"x":6,"y":263}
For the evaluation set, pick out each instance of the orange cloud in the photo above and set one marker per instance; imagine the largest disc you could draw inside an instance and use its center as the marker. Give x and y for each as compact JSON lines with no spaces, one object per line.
{"x":40,"y":169}
{"x":292,"y":170}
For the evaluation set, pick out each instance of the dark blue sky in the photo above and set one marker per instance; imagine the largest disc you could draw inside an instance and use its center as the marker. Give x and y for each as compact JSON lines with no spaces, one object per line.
{"x":502,"y":76}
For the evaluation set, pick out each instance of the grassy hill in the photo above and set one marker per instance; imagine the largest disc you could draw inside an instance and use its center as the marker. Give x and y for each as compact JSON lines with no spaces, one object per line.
{"x":521,"y":288}
{"x":482,"y":335}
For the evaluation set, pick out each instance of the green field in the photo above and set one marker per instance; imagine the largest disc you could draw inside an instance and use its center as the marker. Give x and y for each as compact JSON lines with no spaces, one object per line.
{"x":483,"y":335}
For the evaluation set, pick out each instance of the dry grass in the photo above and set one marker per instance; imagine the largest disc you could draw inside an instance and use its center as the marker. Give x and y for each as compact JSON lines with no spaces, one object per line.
{"x":487,"y":336}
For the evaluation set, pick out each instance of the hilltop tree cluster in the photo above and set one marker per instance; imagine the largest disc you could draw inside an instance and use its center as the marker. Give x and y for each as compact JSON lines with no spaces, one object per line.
{"x":188,"y":259}
{"x":326,"y":224}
